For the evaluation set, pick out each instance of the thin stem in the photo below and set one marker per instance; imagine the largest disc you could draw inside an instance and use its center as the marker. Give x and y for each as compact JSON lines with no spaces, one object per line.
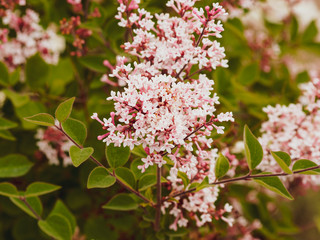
{"x":24,"y":200}
{"x":194,"y":73}
{"x":198,"y":42}
{"x":112,"y":174}
{"x":158,"y":206}
{"x":190,"y":134}
{"x":86,"y":10}
{"x":245,"y":177}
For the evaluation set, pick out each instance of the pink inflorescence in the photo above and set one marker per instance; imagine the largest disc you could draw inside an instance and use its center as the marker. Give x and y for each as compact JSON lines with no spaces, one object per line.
{"x":30,"y":38}
{"x":294,"y":129}
{"x":166,"y":105}
{"x":54,"y":145}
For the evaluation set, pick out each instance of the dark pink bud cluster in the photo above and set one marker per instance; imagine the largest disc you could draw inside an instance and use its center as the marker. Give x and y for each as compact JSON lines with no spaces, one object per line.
{"x":71,"y":27}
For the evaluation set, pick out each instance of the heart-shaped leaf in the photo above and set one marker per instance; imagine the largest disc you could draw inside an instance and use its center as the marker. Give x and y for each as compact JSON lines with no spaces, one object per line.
{"x":78,"y":155}
{"x":61,"y":209}
{"x":75,"y":130}
{"x":121,"y":202}
{"x":117,"y":156}
{"x":56,"y":226}
{"x":126,"y":175}
{"x":100,"y":178}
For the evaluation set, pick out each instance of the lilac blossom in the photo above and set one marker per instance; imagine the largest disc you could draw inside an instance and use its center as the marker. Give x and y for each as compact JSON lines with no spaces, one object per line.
{"x":30,"y":38}
{"x":167,"y":105}
{"x":294,"y":129}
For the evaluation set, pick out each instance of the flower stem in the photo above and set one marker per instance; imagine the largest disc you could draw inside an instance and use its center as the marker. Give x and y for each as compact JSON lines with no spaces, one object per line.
{"x":24,"y":200}
{"x":112,"y":174}
{"x":245,"y":177}
{"x":159,"y":198}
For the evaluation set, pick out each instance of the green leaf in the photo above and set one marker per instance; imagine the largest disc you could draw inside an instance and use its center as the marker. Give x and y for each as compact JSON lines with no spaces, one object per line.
{"x":100,"y":178}
{"x":222,"y":166}
{"x":94,"y":63}
{"x":42,"y":119}
{"x":249,"y":74}
{"x":6,"y":124}
{"x":283,"y":159}
{"x":253,"y":149}
{"x":121,"y":202}
{"x":117,"y":156}
{"x":177,"y":234}
{"x":183,"y":176}
{"x":36,"y":72}
{"x":149,"y":180}
{"x":14,"y":77}
{"x":75,"y":129}
{"x":137,"y":172}
{"x":64,"y":109}
{"x":17,"y":99}
{"x":126,"y":175}
{"x":4,"y":75}
{"x":274,"y":184}
{"x":8,"y":190}
{"x":56,"y":226}
{"x":61,"y":209}
{"x":40,"y":188}
{"x":303,"y":164}
{"x":29,"y":109}
{"x":310,"y":32}
{"x":14,"y":165}
{"x":60,"y":75}
{"x":294,"y":28}
{"x":78,"y":155}
{"x":5,"y":134}
{"x":203,"y":184}
{"x":139,"y":151}
{"x":193,"y":185}
{"x":34,"y":202}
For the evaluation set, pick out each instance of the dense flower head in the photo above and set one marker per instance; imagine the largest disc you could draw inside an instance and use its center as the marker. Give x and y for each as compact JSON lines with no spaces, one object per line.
{"x":199,"y":206}
{"x":294,"y":129}
{"x":10,"y":4}
{"x":30,"y":38}
{"x":167,"y":105}
{"x":173,"y":44}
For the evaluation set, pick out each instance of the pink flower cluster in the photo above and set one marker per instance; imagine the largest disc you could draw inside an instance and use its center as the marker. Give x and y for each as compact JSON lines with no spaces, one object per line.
{"x":10,"y":4}
{"x":264,"y":46}
{"x":294,"y":129}
{"x":54,"y":145}
{"x":30,"y":38}
{"x":71,"y":27}
{"x":199,"y":206}
{"x":76,"y":4}
{"x":173,"y":44}
{"x":166,"y":105}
